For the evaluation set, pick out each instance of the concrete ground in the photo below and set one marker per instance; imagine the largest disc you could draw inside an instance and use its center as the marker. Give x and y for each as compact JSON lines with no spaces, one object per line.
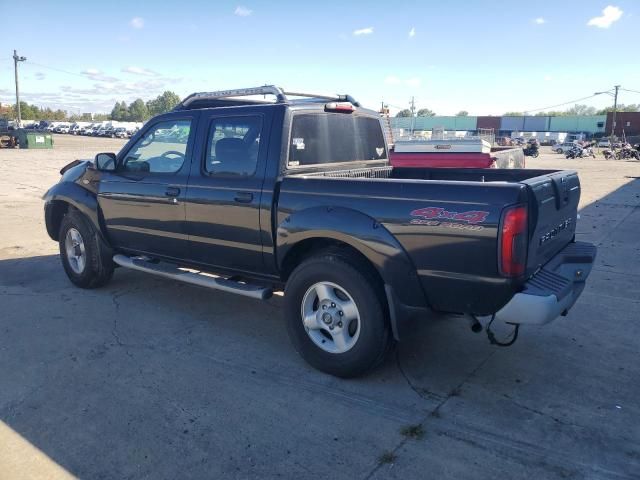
{"x":148,"y":378}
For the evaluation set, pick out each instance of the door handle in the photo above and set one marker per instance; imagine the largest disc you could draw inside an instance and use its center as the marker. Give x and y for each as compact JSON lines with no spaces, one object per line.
{"x":172,"y":192}
{"x":243,"y":197}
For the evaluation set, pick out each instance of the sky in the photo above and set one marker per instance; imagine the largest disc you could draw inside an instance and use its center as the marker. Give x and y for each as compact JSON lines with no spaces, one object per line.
{"x":483,"y":57}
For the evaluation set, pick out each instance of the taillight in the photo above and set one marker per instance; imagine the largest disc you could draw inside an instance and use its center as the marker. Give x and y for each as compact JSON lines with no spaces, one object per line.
{"x":345,"y":107}
{"x":513,"y":241}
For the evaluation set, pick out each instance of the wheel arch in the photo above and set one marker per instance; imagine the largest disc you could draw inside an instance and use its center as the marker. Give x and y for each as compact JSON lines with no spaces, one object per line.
{"x":309,"y":231}
{"x":62,"y":197}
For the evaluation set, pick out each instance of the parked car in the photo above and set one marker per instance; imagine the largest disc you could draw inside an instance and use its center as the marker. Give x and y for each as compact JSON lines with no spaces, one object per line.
{"x":604,"y":143}
{"x":106,"y":131}
{"x":299,"y":196}
{"x":563,"y":147}
{"x":61,"y":129}
{"x":119,"y":132}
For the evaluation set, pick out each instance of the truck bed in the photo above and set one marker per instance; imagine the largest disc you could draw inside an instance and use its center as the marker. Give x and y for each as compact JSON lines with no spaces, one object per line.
{"x":448,"y":221}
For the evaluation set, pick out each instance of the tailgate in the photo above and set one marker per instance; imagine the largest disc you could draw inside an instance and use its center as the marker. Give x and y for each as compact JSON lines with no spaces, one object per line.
{"x":554,"y":209}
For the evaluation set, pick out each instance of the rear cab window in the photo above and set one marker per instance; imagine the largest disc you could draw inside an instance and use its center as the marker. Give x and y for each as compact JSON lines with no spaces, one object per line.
{"x":323,"y":138}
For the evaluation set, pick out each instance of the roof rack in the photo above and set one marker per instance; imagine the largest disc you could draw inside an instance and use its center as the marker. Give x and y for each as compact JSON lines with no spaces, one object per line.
{"x":280,"y":94}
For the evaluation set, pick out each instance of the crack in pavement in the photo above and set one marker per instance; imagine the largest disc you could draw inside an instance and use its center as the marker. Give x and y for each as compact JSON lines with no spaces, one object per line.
{"x":433,"y":413}
{"x":541,"y":413}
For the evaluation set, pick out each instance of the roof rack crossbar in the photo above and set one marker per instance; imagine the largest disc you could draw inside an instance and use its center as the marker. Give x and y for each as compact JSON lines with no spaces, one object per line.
{"x":281,"y":95}
{"x":237,"y":92}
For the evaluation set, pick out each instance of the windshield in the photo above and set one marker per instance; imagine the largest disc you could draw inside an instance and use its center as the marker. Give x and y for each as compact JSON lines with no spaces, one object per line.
{"x":335,"y":137}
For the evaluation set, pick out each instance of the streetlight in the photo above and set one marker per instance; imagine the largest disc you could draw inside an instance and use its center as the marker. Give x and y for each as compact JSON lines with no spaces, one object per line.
{"x":615,"y":107}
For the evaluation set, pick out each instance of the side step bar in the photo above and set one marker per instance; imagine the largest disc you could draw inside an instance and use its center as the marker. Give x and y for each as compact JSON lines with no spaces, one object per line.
{"x":193,"y":277}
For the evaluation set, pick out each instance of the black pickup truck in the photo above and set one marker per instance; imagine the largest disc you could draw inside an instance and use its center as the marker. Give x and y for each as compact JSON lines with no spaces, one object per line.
{"x":240,"y":193}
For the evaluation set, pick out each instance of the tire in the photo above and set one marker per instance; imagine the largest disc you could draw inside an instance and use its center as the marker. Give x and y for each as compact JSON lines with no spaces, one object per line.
{"x":366,"y":336}
{"x":535,"y":155}
{"x":85,"y":257}
{"x":559,"y":150}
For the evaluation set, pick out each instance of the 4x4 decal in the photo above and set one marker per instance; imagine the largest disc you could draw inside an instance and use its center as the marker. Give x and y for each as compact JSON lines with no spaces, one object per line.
{"x":471,"y":217}
{"x":434,"y":216}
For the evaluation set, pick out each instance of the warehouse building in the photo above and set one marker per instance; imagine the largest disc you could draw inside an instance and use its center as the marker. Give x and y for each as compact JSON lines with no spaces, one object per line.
{"x":590,"y":125}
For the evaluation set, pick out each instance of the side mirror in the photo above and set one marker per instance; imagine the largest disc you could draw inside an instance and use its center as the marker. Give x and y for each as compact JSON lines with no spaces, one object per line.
{"x":106,"y":162}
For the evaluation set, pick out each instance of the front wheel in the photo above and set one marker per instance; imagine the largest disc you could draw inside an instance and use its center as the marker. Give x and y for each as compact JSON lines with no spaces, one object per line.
{"x":85,"y":258}
{"x":535,"y":154}
{"x":336,"y":316}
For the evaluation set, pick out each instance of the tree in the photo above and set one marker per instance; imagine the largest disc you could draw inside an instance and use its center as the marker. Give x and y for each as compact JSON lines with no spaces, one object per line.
{"x":138,"y":111}
{"x":579,"y":109}
{"x":163,"y":103}
{"x":120,"y":111}
{"x":513,"y":114}
{"x":462,"y":113}
{"x":404,"y":113}
{"x":425,"y":112}
{"x":621,"y":108}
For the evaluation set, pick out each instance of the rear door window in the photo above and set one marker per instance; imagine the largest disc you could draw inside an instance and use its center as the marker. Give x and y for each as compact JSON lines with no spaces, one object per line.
{"x":233,"y":145}
{"x":319,"y":138}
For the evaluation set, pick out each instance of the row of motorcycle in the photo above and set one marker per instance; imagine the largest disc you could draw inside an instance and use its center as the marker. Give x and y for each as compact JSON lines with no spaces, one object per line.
{"x":626,"y":152}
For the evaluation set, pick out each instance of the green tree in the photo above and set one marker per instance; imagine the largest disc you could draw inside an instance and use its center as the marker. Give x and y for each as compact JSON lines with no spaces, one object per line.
{"x":138,"y":111}
{"x":163,"y":103}
{"x":403,"y":113}
{"x":425,"y":112}
{"x":513,"y":114}
{"x":621,"y":108}
{"x":120,"y":111}
{"x":579,"y":109}
{"x":462,"y":113}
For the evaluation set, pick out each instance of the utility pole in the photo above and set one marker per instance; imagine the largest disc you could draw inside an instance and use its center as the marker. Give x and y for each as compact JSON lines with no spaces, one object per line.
{"x":413,"y":113}
{"x":615,"y":111}
{"x":17,"y":59}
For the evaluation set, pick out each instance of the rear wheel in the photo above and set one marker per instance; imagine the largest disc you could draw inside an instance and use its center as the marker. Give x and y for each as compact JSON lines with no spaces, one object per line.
{"x":336,"y":316}
{"x":85,"y":258}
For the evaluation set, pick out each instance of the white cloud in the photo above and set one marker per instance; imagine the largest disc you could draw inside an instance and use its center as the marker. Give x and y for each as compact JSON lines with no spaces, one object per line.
{"x":39,"y":76}
{"x":137,"y":22}
{"x":97,"y":75}
{"x":242,"y":11}
{"x":548,"y":78}
{"x":392,"y":80}
{"x":412,"y":32}
{"x":363,"y":31}
{"x":609,"y":15}
{"x":539,"y":21}
{"x":139,"y":71}
{"x":413,"y":82}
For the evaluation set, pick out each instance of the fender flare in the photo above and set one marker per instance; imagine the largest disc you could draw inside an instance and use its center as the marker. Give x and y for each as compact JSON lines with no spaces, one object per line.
{"x":367,"y":236}
{"x":80,"y":198}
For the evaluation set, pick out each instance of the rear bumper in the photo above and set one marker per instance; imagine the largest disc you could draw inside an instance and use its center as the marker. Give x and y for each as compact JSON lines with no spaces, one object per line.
{"x":554,"y":289}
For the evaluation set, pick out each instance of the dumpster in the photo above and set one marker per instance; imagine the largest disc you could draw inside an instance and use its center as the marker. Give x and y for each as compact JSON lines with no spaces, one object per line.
{"x":32,"y":139}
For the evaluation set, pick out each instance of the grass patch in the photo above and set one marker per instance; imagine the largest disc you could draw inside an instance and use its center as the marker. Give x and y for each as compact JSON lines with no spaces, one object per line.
{"x":415,"y":432}
{"x":387,"y":458}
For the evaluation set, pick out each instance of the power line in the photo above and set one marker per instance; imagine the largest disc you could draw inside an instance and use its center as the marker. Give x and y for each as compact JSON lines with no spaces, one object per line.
{"x":57,"y":69}
{"x":560,"y":104}
{"x":628,"y":90}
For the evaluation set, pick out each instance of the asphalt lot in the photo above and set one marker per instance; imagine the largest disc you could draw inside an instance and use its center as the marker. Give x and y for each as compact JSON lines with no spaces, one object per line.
{"x":148,"y":378}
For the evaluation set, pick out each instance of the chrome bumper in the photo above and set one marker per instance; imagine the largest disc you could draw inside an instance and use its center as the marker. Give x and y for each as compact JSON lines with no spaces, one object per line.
{"x":554,"y":289}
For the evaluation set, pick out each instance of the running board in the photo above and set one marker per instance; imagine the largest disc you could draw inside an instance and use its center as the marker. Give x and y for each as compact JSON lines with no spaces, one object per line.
{"x":193,"y":277}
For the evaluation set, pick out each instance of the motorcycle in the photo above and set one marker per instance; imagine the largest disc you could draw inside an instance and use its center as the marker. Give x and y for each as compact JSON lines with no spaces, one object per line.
{"x":587,"y":152}
{"x":531,"y":151}
{"x":629,"y":153}
{"x":609,"y":154}
{"x":579,"y":152}
{"x":573,"y":152}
